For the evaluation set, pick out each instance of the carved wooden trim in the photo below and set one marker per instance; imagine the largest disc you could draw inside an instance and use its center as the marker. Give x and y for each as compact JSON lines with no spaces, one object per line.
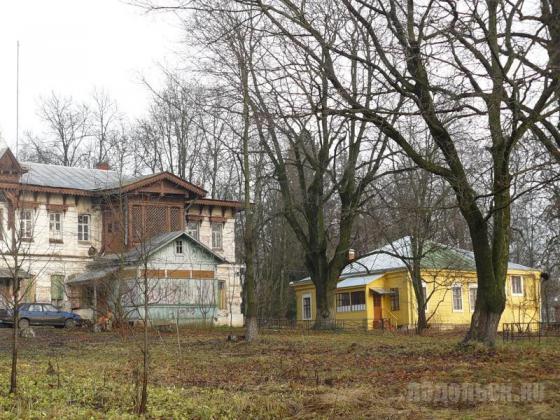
{"x":57,"y":207}
{"x":28,"y":204}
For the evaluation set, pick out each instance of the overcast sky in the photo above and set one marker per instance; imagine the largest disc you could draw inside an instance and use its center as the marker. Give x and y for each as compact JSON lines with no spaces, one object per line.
{"x":73,"y":46}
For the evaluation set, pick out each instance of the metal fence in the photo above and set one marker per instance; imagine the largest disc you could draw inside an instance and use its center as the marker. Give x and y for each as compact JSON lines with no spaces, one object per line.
{"x":529,"y":330}
{"x":336,"y":325}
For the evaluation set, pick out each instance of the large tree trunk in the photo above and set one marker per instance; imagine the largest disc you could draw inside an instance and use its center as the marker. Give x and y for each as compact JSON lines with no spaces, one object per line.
{"x":491,"y":274}
{"x":324,"y":303}
{"x":251,"y":325}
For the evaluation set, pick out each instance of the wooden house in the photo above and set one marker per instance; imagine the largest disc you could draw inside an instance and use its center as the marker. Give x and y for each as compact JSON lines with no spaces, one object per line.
{"x":375,"y":291}
{"x":67,"y":221}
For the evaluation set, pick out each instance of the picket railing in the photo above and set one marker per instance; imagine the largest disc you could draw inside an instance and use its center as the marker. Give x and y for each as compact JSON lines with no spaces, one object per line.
{"x":529,"y":330}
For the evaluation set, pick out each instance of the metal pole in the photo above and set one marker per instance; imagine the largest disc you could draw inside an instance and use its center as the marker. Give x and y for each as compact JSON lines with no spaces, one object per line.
{"x":17,"y":98}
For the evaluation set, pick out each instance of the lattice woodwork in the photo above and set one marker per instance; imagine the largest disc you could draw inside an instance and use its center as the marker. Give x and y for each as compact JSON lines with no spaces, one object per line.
{"x":137,"y":223}
{"x":156,"y":220}
{"x":175,"y":219}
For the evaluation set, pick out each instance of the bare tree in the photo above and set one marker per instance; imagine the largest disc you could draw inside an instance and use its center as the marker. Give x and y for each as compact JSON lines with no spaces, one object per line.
{"x":106,"y":123}
{"x":67,"y":126}
{"x":16,"y":255}
{"x":488,"y":76}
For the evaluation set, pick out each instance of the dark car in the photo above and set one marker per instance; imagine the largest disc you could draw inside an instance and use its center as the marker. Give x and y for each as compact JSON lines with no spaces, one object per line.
{"x":43,"y":314}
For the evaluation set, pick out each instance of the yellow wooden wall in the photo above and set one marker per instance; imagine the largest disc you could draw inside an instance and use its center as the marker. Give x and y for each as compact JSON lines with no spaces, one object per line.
{"x":440,"y":307}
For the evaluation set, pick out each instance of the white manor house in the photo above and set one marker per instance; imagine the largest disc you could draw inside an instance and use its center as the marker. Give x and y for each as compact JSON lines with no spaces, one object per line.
{"x":84,"y":233}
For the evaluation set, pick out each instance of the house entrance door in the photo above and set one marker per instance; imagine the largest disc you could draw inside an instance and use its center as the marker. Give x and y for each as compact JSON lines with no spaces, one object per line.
{"x":377,"y":314}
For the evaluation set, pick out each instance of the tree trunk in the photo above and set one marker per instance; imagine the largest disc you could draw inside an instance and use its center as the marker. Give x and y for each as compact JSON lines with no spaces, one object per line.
{"x":143,"y":401}
{"x":15,"y":302}
{"x":251,"y":327}
{"x":490,"y":296}
{"x":417,"y":253}
{"x":325,"y":286}
{"x":15,"y":335}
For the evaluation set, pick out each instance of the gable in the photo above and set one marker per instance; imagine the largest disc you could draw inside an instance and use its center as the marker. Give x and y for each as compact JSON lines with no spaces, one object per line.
{"x":163,"y":186}
{"x":162,"y":183}
{"x":192,"y":254}
{"x":9,"y":166}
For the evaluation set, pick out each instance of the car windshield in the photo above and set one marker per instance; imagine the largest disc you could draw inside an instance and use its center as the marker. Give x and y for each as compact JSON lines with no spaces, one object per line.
{"x":50,"y":308}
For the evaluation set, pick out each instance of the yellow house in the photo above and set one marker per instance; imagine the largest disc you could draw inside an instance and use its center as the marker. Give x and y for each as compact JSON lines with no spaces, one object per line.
{"x":375,"y":291}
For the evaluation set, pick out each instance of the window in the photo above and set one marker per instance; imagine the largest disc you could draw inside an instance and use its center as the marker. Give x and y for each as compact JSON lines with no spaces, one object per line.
{"x":217,"y":235}
{"x":222,"y":303}
{"x":306,"y":307}
{"x":358,"y":301}
{"x":55,"y":226}
{"x":457,"y":298}
{"x":178,"y":246}
{"x":35,"y":308}
{"x":425,"y":295}
{"x":50,"y":308}
{"x":517,"y":286}
{"x":26,"y":224}
{"x":87,"y":297}
{"x":351,"y":302}
{"x":343,"y":302}
{"x":472,"y":296}
{"x":84,"y":227}
{"x":193,"y":229}
{"x":395,"y":302}
{"x":57,"y":289}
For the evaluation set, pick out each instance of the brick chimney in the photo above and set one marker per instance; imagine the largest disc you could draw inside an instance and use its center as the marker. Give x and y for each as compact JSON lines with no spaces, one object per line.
{"x":104,"y":166}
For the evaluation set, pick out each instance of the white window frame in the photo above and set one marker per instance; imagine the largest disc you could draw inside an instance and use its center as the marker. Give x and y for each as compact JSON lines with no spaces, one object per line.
{"x":460,"y":287}
{"x":396,"y":294}
{"x":425,"y":291}
{"x":87,"y":236}
{"x":303,"y":297}
{"x":472,"y":286}
{"x":215,"y":244}
{"x":179,"y":247}
{"x":26,"y":224}
{"x":196,"y":230}
{"x":513,"y":293}
{"x":55,"y":234}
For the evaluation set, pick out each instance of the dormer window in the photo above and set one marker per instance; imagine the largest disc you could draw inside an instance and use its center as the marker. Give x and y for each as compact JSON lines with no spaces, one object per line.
{"x":179,"y":246}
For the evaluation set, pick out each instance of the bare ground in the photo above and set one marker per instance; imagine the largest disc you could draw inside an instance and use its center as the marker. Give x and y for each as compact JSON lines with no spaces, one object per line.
{"x":198,"y":374}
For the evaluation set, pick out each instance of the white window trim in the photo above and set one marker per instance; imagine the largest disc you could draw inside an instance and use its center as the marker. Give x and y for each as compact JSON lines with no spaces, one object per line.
{"x":425,"y":285}
{"x":472,"y":304}
{"x":52,"y":233}
{"x":25,"y":224}
{"x":89,"y":228}
{"x":219,"y":246}
{"x":303,"y":297}
{"x":197,"y":224}
{"x":460,"y":287}
{"x":522,"y":286}
{"x":182,"y":247}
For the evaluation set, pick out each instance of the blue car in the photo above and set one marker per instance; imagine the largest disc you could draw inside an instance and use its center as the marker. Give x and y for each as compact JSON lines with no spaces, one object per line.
{"x":42,"y":314}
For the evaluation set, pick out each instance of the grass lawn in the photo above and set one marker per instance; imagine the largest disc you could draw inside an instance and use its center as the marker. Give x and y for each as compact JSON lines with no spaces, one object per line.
{"x":303,"y":375}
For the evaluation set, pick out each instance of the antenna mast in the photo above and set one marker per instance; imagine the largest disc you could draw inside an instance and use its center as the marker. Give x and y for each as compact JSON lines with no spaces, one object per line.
{"x":17,"y":99}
